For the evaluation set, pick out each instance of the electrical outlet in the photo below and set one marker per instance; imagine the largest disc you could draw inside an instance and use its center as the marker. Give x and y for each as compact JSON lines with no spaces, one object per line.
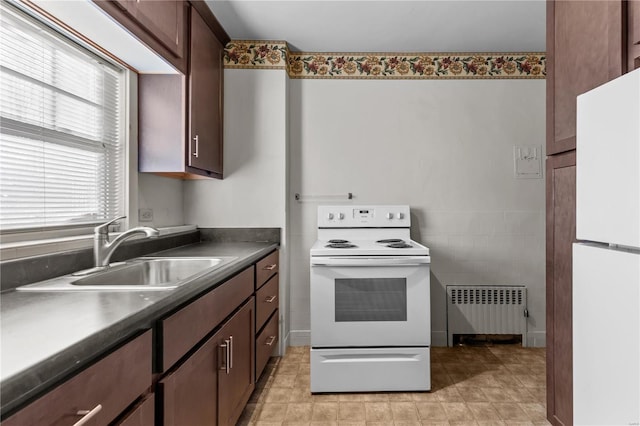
{"x":145,"y":215}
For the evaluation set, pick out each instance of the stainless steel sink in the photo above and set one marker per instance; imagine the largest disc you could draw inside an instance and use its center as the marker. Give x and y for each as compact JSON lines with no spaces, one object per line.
{"x":151,"y":273}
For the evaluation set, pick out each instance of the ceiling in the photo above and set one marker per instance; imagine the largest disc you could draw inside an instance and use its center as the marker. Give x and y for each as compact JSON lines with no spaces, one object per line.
{"x":388,"y":26}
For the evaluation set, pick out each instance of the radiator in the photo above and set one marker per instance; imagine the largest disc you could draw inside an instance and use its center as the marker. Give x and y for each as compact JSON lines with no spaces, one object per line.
{"x":486,"y":310}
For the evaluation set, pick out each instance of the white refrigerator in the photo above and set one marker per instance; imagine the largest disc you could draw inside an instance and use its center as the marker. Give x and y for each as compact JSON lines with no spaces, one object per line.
{"x":606,"y":258}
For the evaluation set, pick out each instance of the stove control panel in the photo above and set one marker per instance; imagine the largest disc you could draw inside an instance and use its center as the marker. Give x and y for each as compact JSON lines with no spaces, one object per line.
{"x":390,"y":216}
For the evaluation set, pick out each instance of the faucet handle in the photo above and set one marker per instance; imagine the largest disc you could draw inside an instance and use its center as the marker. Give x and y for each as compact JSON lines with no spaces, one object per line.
{"x":104,"y":228}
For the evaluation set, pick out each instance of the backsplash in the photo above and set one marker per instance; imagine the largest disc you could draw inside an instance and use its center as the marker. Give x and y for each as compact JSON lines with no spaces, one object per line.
{"x":14,"y":273}
{"x":224,"y":235}
{"x":18,"y":272}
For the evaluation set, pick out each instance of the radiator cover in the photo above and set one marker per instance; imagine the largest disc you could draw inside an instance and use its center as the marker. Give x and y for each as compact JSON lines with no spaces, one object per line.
{"x":486,"y":310}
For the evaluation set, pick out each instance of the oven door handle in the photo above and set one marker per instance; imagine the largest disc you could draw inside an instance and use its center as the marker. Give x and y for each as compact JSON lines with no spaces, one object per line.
{"x":371,"y":261}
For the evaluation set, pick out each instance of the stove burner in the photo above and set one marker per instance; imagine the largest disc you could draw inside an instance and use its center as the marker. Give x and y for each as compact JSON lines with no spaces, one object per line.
{"x":390,"y":240}
{"x":338,"y":241}
{"x":341,"y":245}
{"x":399,"y":245}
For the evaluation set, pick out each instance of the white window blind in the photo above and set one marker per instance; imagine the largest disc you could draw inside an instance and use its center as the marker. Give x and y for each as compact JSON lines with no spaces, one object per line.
{"x":61,"y":143}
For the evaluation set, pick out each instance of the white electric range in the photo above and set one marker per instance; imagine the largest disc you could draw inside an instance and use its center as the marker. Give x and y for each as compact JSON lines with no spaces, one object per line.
{"x":370,"y":302}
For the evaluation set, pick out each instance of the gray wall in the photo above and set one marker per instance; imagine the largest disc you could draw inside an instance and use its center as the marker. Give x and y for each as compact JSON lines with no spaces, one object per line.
{"x":253,"y":192}
{"x":446,"y":149}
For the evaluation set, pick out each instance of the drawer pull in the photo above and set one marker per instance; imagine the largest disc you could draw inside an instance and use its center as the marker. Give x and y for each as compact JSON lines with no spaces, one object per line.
{"x":225,"y":348}
{"x":270,"y":341}
{"x":230,"y":351}
{"x":270,"y":267}
{"x":87,"y":415}
{"x":270,"y":299}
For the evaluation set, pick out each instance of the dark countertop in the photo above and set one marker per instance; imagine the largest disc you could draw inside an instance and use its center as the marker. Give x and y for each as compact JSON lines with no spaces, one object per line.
{"x":48,"y":336}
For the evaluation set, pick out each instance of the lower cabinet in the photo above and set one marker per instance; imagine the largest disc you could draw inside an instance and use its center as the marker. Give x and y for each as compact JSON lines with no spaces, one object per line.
{"x":561,"y":234}
{"x":215,"y":382}
{"x":204,"y":358}
{"x":266,"y":342}
{"x":142,"y":414}
{"x":236,"y":378}
{"x":99,"y":394}
{"x":267,"y":313}
{"x":190,"y":393}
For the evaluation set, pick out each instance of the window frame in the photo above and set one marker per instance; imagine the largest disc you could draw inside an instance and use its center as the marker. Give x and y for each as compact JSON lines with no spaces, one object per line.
{"x":36,"y":235}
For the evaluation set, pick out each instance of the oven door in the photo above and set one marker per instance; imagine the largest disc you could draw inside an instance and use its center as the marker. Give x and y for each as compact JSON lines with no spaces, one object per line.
{"x":359,"y":301}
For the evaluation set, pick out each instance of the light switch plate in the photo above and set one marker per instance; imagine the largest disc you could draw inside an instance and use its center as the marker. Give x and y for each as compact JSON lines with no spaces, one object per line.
{"x":145,"y":215}
{"x":527,"y":162}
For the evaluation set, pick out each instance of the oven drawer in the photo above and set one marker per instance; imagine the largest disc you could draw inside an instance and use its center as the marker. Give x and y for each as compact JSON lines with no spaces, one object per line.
{"x":266,"y":301}
{"x":370,"y":370}
{"x":266,"y":342}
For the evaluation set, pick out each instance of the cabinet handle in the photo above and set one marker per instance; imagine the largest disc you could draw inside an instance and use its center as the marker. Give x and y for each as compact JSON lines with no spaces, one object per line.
{"x":195,"y":152}
{"x":270,"y":299}
{"x":87,"y":415}
{"x":270,"y":267}
{"x":225,"y":348}
{"x":270,"y":341}
{"x":230,"y":351}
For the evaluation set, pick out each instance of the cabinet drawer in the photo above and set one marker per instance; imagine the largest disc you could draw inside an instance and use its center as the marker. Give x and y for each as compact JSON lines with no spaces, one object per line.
{"x":112,"y":384}
{"x":266,"y":342}
{"x":266,"y":268}
{"x":182,"y":330}
{"x":266,"y":301}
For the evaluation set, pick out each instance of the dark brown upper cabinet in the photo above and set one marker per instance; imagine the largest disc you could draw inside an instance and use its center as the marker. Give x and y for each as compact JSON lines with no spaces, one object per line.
{"x":205,"y":98}
{"x":180,"y":116}
{"x":633,"y":34}
{"x":585,"y":48}
{"x":161,"y":25}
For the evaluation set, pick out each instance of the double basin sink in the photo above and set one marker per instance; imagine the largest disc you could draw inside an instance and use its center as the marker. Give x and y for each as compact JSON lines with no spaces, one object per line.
{"x":141,"y":274}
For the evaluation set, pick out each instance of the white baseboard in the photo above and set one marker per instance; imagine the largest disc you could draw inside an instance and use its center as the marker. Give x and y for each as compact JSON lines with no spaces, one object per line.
{"x":284,"y":344}
{"x":537,"y":339}
{"x":300,"y":338}
{"x":439,"y":338}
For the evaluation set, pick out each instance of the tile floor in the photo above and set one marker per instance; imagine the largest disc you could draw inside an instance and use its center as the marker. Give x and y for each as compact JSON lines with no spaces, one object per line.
{"x":495,"y":385}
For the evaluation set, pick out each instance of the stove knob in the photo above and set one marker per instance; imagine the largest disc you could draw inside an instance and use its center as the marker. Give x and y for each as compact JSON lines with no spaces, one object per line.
{"x":389,"y":215}
{"x":330,"y":216}
{"x":340,"y":216}
{"x":400,"y":215}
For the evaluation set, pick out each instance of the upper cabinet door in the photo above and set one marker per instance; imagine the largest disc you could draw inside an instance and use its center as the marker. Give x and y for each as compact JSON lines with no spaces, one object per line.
{"x":633,"y":34}
{"x":205,"y":98}
{"x":161,"y":25}
{"x":584,"y":50}
{"x":163,"y":19}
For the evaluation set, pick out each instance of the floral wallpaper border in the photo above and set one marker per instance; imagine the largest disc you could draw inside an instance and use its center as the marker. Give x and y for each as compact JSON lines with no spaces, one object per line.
{"x":256,"y":54}
{"x":276,"y":55}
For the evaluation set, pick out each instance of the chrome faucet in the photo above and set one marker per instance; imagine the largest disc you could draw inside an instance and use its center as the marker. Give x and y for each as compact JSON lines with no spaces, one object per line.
{"x":103,"y":249}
